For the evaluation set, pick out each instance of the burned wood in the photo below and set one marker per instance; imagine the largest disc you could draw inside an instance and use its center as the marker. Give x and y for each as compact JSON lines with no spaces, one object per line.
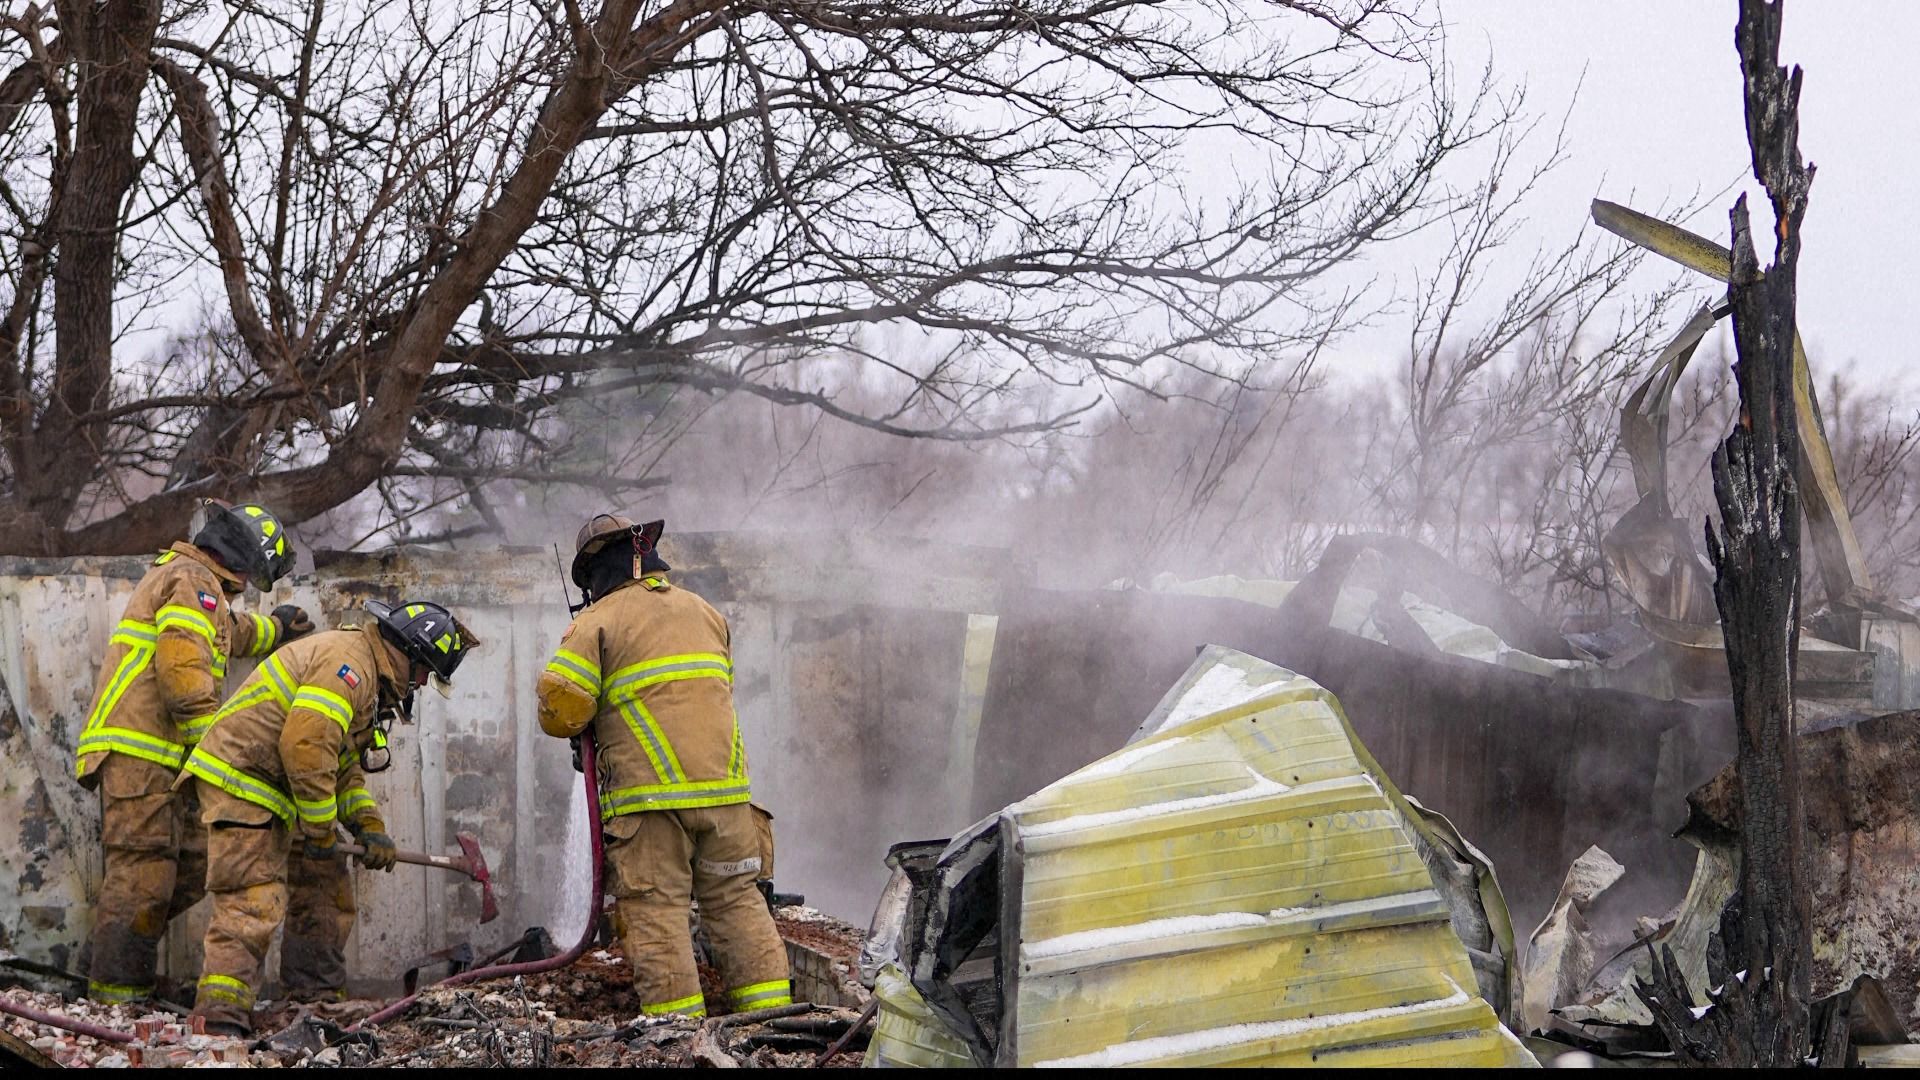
{"x":866,"y":1014}
{"x":706,"y":1049}
{"x":1760,"y":1016}
{"x":761,"y":1016}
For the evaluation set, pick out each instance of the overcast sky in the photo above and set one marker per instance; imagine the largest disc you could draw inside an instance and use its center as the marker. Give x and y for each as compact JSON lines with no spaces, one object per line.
{"x":1659,"y":118}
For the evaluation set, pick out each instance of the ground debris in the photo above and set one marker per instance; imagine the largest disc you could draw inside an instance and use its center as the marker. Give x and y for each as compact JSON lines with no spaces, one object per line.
{"x":164,"y":1039}
{"x":582,"y":1016}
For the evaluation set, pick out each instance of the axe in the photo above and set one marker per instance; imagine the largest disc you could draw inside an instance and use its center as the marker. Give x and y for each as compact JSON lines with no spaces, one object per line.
{"x":469,"y":862}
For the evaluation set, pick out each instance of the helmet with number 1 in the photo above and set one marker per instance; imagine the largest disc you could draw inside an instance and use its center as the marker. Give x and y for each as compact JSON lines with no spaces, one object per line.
{"x":427,"y":633}
{"x":247,"y":539}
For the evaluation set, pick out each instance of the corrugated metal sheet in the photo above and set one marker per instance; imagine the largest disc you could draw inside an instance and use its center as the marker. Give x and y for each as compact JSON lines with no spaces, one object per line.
{"x":1238,"y":886}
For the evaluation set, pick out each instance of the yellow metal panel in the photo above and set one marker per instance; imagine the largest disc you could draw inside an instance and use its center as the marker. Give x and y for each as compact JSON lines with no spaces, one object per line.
{"x":1239,"y":886}
{"x":907,"y":1035}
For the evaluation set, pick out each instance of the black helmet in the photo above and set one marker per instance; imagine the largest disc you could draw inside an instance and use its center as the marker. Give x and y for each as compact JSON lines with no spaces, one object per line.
{"x":427,"y":633}
{"x":247,"y":539}
{"x":603,"y":530}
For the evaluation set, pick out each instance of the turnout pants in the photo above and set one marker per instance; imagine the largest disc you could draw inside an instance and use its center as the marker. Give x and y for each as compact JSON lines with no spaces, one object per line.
{"x":156,"y":863}
{"x":658,"y":862}
{"x":320,"y":914}
{"x":247,"y":856}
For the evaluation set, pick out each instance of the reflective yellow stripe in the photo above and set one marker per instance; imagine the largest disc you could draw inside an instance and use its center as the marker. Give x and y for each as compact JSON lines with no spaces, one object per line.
{"x":319,"y":811}
{"x":131,"y":665}
{"x":138,"y":637}
{"x":764,"y":995}
{"x":687,"y":795}
{"x":737,"y":757}
{"x":266,"y":634}
{"x":196,"y":728}
{"x":228,"y":989}
{"x":278,"y":679}
{"x":112,"y":994}
{"x":165,"y":558}
{"x":252,"y":693}
{"x":692,"y":1005}
{"x":219,"y":668}
{"x":134,"y":632}
{"x":627,"y":681}
{"x":582,"y":672}
{"x":326,"y":703}
{"x":173,"y":616}
{"x":354,"y":800}
{"x":240,"y":784}
{"x":132,"y":743}
{"x":666,"y":764}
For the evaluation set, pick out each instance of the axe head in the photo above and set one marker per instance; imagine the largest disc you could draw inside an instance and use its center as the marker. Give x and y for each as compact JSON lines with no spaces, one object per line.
{"x":477,"y":869}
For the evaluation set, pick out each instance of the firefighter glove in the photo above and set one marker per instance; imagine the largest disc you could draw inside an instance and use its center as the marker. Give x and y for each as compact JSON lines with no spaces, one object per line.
{"x":293,"y":621}
{"x":318,"y":847}
{"x":380,"y":853}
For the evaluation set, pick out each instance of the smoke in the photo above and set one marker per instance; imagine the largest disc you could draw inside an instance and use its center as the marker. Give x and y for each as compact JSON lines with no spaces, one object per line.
{"x":1517,"y":480}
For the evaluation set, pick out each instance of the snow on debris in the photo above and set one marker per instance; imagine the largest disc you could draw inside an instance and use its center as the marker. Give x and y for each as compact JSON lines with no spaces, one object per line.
{"x":1175,"y":926}
{"x":1222,"y":687}
{"x":1120,"y":1055}
{"x":1259,"y":789}
{"x":1119,"y":762}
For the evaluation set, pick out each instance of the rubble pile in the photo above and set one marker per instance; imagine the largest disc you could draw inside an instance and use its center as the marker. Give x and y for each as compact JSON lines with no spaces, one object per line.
{"x":164,"y":1039}
{"x":582,"y":1016}
{"x":513,"y":1025}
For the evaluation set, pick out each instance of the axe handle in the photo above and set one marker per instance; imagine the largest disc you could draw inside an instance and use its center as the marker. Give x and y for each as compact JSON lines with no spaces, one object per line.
{"x":458,"y":864}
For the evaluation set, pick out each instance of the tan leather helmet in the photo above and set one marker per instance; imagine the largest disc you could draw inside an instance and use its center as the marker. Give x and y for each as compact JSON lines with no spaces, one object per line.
{"x":603,"y":529}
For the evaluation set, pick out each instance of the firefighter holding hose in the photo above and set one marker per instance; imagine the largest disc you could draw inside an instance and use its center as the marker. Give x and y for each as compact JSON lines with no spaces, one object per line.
{"x":648,"y":665}
{"x":280,"y":769}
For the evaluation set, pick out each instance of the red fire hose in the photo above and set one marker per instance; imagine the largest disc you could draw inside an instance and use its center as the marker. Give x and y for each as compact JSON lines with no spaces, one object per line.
{"x":80,"y":1027}
{"x":532,"y":967}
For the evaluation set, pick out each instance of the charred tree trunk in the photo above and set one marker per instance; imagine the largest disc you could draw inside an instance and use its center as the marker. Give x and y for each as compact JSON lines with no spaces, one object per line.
{"x":1764,"y":1008}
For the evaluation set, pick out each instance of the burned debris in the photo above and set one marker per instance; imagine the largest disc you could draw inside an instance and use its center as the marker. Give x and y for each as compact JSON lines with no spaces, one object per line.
{"x":581,"y":1016}
{"x":1368,"y":810}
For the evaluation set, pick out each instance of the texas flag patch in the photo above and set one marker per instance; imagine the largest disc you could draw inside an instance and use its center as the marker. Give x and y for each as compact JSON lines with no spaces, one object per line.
{"x":209,"y":601}
{"x":347,"y":676}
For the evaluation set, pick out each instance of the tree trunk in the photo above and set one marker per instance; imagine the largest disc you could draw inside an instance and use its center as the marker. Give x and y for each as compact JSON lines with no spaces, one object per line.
{"x":1756,"y":559}
{"x":111,"y":44}
{"x":1760,"y":966}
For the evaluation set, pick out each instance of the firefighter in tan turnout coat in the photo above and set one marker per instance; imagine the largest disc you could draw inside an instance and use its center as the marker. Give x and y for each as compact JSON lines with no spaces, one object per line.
{"x":280,"y":766}
{"x":164,"y":674}
{"x":649,"y":666}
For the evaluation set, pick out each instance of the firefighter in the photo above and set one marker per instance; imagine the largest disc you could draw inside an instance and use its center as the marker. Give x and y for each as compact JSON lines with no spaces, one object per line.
{"x":162,"y":680}
{"x":649,"y":666}
{"x":280,"y":767}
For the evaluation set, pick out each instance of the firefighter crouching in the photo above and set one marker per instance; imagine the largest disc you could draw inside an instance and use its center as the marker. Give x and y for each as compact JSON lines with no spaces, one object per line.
{"x":649,"y":666}
{"x":162,"y":680}
{"x":280,"y":767}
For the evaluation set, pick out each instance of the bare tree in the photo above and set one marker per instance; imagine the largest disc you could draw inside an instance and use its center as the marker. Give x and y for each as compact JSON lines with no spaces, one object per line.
{"x":1498,"y":450}
{"x":1875,"y":438}
{"x":391,"y":237}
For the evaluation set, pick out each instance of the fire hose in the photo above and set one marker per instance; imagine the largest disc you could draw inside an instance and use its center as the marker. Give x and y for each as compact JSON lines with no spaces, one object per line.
{"x":78,"y":1027}
{"x":532,"y":967}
